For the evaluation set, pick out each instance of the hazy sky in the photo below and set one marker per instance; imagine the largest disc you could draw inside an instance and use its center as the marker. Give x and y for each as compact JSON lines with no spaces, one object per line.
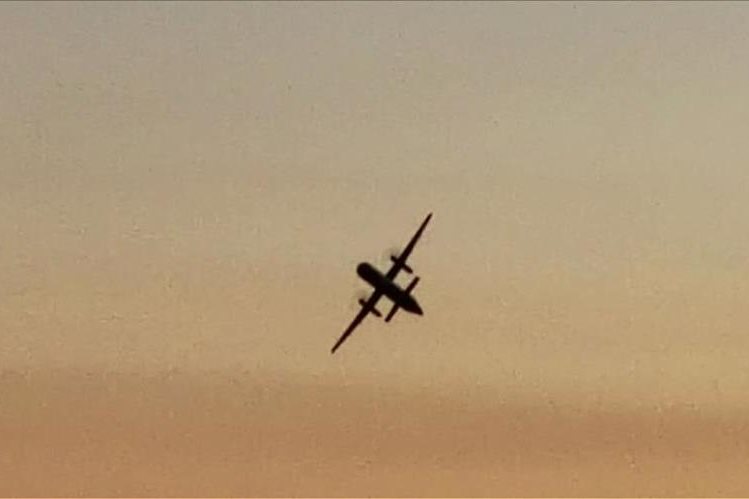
{"x":188,"y":187}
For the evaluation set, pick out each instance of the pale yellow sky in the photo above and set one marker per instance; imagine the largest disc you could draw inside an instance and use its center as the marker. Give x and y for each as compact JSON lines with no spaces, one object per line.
{"x":189,"y":187}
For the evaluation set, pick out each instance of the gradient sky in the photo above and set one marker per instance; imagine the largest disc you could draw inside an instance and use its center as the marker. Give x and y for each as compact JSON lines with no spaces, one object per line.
{"x":187,"y":188}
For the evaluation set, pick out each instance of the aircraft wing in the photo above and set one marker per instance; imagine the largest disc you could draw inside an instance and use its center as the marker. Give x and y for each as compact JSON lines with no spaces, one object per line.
{"x":368,"y":307}
{"x":400,"y":261}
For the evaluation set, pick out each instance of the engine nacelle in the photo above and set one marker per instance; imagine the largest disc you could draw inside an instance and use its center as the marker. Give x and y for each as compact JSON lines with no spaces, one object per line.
{"x":374,"y":310}
{"x":405,"y":267}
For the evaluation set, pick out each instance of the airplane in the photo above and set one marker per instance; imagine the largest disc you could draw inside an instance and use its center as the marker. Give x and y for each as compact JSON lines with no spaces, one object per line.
{"x":385,"y":285}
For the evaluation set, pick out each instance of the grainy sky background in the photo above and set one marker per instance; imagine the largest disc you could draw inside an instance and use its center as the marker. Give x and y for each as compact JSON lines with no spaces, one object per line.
{"x":186,"y":189}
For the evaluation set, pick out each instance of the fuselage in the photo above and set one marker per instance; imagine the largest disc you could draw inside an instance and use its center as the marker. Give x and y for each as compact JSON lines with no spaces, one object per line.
{"x":389,"y":288}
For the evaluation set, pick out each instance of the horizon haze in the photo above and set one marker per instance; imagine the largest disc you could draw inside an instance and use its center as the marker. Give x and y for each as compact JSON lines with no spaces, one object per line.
{"x":187,"y":189}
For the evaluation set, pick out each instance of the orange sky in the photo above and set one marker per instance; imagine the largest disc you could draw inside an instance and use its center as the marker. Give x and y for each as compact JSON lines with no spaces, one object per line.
{"x":187,"y":189}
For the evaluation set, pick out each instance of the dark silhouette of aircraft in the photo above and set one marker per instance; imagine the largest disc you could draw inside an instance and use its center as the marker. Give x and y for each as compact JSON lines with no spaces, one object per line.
{"x":384,"y":285}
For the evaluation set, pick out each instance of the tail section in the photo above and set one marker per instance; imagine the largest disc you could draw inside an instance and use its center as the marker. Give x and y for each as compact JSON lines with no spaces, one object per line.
{"x":396,"y":306}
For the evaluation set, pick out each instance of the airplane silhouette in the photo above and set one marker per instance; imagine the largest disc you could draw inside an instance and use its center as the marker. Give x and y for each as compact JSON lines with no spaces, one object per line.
{"x":385,"y":285}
